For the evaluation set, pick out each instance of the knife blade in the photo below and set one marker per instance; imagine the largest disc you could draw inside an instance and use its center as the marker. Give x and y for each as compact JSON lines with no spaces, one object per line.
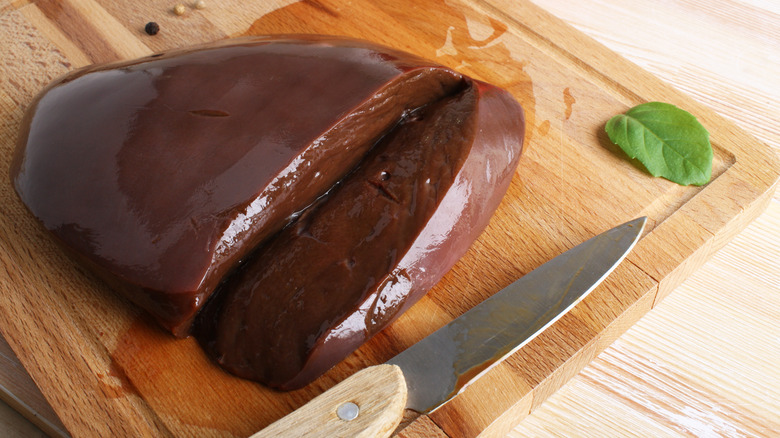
{"x":371,"y":402}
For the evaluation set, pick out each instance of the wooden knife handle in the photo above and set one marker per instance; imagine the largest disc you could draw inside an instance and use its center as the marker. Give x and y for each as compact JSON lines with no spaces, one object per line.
{"x":378,"y":391}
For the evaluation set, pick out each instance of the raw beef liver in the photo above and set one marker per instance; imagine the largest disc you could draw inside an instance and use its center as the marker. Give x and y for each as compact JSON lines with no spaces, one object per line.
{"x":163,"y":172}
{"x":320,"y":185}
{"x":372,"y":247}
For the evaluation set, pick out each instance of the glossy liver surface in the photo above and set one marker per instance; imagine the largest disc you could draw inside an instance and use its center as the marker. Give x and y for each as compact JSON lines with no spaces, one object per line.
{"x":310,"y":163}
{"x":372,"y":247}
{"x":163,"y":172}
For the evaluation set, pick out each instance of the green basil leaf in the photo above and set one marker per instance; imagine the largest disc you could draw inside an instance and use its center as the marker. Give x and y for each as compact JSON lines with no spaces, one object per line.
{"x":668,"y":141}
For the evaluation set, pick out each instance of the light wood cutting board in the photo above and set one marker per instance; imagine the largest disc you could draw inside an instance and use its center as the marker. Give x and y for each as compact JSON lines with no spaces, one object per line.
{"x":108,"y":372}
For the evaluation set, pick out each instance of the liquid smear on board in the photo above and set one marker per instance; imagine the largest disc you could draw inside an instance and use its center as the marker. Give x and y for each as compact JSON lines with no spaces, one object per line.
{"x":444,"y":31}
{"x":190,"y":393}
{"x":569,"y":101}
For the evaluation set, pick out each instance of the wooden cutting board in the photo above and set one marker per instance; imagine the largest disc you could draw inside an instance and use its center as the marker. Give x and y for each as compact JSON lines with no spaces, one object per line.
{"x":108,"y":372}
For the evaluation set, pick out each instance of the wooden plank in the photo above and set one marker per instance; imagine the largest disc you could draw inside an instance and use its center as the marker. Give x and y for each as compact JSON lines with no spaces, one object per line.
{"x":703,"y":352}
{"x":702,"y":362}
{"x":142,"y":382}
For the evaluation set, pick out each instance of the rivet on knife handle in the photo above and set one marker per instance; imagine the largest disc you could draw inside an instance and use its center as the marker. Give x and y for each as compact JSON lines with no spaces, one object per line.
{"x":379,"y":392}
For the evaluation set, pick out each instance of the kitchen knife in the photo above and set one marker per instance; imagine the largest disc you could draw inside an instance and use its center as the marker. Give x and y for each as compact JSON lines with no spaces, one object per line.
{"x":371,"y":402}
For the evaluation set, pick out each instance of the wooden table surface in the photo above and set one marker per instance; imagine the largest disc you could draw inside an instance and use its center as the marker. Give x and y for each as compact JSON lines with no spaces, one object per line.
{"x":704,"y":361}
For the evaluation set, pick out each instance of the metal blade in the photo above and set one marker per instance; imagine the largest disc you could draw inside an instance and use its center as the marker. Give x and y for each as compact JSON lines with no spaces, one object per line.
{"x":440,"y":366}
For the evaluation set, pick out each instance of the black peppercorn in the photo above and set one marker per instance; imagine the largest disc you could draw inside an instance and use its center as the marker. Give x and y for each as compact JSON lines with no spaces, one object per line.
{"x":152,"y":28}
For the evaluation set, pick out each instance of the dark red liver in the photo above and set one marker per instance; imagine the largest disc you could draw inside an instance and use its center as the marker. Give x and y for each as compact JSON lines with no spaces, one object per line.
{"x":163,"y":172}
{"x":381,"y":239}
{"x":322,"y":185}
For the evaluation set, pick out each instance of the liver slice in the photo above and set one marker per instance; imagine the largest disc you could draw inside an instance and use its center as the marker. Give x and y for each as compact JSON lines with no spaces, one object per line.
{"x":320,"y":185}
{"x":163,"y":172}
{"x":374,"y":246}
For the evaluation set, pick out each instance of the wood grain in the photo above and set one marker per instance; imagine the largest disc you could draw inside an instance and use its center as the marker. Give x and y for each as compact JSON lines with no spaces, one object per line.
{"x":568,"y":85}
{"x":379,"y":392}
{"x":703,"y":363}
{"x":698,"y":364}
